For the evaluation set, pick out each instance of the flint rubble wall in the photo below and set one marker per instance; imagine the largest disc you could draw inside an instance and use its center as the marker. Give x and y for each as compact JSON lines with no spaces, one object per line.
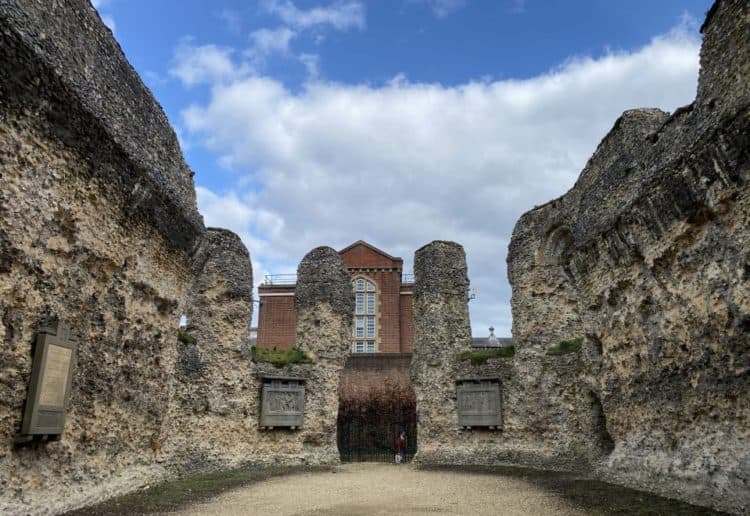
{"x":99,"y":229}
{"x":646,"y":259}
{"x":538,"y":393}
{"x":97,"y":226}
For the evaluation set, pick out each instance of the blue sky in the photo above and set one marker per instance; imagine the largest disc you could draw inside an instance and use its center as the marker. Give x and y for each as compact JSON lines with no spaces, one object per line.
{"x":399,"y":121}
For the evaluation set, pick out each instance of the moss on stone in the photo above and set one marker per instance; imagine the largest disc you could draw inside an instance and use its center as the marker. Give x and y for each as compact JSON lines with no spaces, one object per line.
{"x":280,"y":357}
{"x":566,"y":346}
{"x":480,"y":356}
{"x":185,"y":337}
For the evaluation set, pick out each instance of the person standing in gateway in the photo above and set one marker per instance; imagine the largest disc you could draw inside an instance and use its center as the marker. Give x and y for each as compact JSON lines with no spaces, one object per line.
{"x":400,"y":447}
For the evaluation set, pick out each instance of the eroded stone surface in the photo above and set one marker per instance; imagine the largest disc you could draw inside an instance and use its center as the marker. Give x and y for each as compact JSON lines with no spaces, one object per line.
{"x":214,"y":380}
{"x":441,"y":330}
{"x":325,"y":306}
{"x":646,"y":259}
{"x":322,"y":277}
{"x":96,"y":228}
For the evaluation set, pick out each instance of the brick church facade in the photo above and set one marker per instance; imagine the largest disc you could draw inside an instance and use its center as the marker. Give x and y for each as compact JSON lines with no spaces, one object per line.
{"x":384,"y":313}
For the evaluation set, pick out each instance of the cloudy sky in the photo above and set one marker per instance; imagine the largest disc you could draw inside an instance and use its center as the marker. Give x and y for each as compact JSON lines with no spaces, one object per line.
{"x":322,"y":122}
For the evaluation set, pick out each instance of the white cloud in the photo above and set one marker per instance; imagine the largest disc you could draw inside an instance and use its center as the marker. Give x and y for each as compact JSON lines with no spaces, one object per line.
{"x":312,"y":65}
{"x":196,"y":64}
{"x":442,"y":8}
{"x":342,"y":15}
{"x":404,"y":163}
{"x":231,"y":19}
{"x":266,"y":42}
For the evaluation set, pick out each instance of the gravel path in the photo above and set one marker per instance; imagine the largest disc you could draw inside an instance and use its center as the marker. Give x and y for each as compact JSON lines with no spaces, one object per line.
{"x":371,"y":489}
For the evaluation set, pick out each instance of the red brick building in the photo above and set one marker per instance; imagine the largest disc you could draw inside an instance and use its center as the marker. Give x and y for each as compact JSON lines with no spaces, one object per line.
{"x":383,"y":318}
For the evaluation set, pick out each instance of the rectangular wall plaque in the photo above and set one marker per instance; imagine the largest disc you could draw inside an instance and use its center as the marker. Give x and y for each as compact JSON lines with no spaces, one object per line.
{"x":282,"y":403}
{"x":51,"y":377}
{"x":479,"y":403}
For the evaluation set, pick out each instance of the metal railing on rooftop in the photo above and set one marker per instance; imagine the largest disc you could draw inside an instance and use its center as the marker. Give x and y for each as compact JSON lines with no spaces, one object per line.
{"x":291,"y":279}
{"x":280,"y":279}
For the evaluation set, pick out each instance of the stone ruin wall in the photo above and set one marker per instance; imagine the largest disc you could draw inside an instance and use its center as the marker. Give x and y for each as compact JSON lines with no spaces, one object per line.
{"x":441,"y":328}
{"x":218,"y":385}
{"x":213,"y":386}
{"x":97,"y":226}
{"x":646,"y":259}
{"x":99,"y":229}
{"x":542,"y":410}
{"x":215,"y":417}
{"x":324,"y":302}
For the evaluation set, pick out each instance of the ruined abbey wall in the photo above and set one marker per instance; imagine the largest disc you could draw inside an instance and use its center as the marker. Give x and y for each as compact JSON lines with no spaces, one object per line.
{"x":213,"y":387}
{"x":97,"y":224}
{"x":99,"y":229}
{"x":544,"y":412}
{"x":645,"y":262}
{"x":646,"y":259}
{"x":324,"y":302}
{"x":215,"y":416}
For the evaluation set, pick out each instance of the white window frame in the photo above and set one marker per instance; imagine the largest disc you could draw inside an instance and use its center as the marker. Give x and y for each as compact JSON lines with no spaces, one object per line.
{"x":365,"y":329}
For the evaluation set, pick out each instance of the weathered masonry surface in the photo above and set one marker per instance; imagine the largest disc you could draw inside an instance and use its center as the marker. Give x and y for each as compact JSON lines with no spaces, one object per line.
{"x":642,"y":273}
{"x":99,"y":232}
{"x":393,"y":315}
{"x":646,"y":259}
{"x":630,"y":295}
{"x":97,"y":226}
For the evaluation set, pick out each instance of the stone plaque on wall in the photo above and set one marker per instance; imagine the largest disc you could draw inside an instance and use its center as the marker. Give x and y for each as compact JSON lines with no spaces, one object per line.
{"x":478,"y":402}
{"x":51,"y":376}
{"x":282,"y":403}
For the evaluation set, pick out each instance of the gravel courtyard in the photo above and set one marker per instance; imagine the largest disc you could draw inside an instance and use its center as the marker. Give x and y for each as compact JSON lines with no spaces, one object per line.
{"x":368,"y":489}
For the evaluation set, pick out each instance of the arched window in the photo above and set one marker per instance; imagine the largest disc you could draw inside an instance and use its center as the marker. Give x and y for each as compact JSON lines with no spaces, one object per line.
{"x":365,"y":313}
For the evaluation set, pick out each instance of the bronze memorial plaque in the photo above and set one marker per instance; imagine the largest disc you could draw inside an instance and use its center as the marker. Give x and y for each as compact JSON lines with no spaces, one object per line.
{"x":49,"y":388}
{"x":478,"y":401}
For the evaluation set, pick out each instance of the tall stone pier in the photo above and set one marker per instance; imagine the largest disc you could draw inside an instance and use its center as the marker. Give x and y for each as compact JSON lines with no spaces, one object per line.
{"x":441,"y":330}
{"x":325,"y":303}
{"x":215,"y":391}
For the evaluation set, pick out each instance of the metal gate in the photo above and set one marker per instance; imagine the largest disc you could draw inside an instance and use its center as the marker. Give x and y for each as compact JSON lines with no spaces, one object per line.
{"x":368,"y":434}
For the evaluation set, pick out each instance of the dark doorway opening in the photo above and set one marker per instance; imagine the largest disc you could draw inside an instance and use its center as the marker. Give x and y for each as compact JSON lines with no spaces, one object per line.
{"x":368,"y":434}
{"x":376,"y":403}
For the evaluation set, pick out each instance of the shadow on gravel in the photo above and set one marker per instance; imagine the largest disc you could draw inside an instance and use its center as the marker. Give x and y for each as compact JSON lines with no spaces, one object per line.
{"x":592,"y":495}
{"x":175,"y":494}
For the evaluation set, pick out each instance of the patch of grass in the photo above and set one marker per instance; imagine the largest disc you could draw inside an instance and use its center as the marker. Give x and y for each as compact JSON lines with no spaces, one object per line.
{"x":566,"y":346}
{"x":280,"y":357}
{"x":169,"y":496}
{"x":593,"y":495}
{"x":480,"y":356}
{"x":185,"y":337}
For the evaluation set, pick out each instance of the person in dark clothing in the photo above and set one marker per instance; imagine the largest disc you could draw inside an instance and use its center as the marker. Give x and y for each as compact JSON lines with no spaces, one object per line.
{"x":400,"y":447}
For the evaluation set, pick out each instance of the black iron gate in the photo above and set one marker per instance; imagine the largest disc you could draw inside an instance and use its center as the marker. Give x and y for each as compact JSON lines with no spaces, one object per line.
{"x":368,"y":433}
